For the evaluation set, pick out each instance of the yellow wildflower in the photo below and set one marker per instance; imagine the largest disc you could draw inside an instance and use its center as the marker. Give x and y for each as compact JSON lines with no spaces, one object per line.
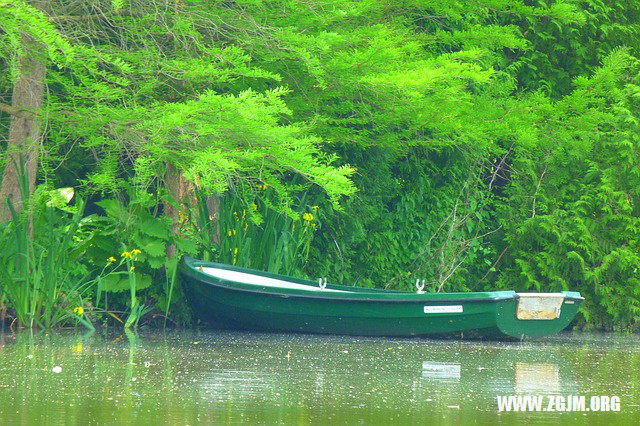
{"x":229,"y":232}
{"x":132,"y":268}
{"x":308,"y":217}
{"x":135,"y":252}
{"x":235,"y":251}
{"x":126,"y":254}
{"x":111,"y":259}
{"x":263,"y":187}
{"x":78,"y":310}
{"x":77,"y":348}
{"x":315,"y":208}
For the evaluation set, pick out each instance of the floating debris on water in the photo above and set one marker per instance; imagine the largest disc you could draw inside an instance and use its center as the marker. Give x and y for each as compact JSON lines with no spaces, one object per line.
{"x":240,"y":377}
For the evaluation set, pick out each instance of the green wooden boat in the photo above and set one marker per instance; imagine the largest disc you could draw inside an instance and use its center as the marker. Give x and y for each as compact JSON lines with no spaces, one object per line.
{"x":240,"y":298}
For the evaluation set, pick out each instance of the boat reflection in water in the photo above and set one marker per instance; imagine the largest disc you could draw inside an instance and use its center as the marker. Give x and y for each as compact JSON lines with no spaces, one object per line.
{"x":205,"y":377}
{"x":503,"y":378}
{"x":535,"y":379}
{"x":445,"y":371}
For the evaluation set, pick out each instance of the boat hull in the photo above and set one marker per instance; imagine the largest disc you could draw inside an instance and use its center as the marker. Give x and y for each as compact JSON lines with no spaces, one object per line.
{"x":362,"y":312}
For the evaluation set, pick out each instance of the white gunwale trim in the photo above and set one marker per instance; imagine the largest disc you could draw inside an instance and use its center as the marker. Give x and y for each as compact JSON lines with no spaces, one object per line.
{"x":257,"y":280}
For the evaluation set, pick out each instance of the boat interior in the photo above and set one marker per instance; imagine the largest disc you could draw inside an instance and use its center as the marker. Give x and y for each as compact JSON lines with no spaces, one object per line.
{"x":245,"y":278}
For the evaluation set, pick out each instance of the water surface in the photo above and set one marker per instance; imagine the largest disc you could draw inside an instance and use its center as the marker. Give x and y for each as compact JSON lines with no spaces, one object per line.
{"x":226,"y":377}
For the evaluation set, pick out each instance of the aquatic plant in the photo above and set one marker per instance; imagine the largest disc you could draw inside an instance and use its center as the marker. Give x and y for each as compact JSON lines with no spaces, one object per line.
{"x":255,"y":232}
{"x":42,"y":282}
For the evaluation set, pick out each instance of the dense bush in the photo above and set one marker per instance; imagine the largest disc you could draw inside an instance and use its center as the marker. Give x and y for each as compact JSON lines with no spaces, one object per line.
{"x":475,"y":145}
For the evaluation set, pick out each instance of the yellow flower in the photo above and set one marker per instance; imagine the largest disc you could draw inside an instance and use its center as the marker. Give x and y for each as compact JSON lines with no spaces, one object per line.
{"x":315,"y":208}
{"x":77,"y":348}
{"x":78,"y":310}
{"x":235,"y":251}
{"x":132,"y":268}
{"x":111,"y":259}
{"x":229,"y":232}
{"x":126,"y":254}
{"x":308,"y":217}
{"x":135,"y":252}
{"x":263,"y":187}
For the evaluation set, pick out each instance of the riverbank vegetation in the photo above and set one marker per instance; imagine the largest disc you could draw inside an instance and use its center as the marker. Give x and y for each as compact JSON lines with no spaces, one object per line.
{"x":476,"y":145}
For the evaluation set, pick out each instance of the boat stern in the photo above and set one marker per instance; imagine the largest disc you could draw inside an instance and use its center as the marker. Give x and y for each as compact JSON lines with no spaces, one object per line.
{"x":537,"y":314}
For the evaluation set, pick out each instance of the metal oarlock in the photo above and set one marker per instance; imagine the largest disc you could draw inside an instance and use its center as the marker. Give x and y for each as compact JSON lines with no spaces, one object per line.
{"x":419,"y":286}
{"x":322,"y":284}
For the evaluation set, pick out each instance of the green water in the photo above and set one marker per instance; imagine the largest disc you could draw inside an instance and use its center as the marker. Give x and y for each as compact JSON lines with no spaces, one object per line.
{"x":229,"y":378}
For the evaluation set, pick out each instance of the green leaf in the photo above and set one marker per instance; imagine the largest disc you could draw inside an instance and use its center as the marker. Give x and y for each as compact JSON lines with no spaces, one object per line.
{"x":115,"y":282}
{"x":156,"y":262}
{"x":154,"y":249}
{"x":187,"y":246}
{"x":114,"y":209}
{"x":155,"y":228}
{"x":60,"y":197}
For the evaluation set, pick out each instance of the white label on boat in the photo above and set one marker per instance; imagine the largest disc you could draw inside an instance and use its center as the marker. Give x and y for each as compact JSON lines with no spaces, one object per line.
{"x":447,"y":309}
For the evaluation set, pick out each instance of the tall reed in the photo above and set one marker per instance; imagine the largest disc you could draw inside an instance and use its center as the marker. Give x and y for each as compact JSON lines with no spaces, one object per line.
{"x":253,"y":234}
{"x":42,"y":283}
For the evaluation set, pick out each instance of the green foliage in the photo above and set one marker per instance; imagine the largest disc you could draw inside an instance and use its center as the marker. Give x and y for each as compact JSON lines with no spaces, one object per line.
{"x":117,"y":282}
{"x":571,"y":219}
{"x":492,"y":144}
{"x":575,"y":42}
{"x":421,"y":224}
{"x":254,"y":234}
{"x":42,"y":281}
{"x":20,"y":18}
{"x":142,"y":269}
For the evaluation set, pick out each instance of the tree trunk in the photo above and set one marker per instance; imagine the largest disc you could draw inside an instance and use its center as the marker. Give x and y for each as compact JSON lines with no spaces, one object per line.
{"x":172,"y":181}
{"x":213,"y":205}
{"x":183,"y":192}
{"x":24,"y":132}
